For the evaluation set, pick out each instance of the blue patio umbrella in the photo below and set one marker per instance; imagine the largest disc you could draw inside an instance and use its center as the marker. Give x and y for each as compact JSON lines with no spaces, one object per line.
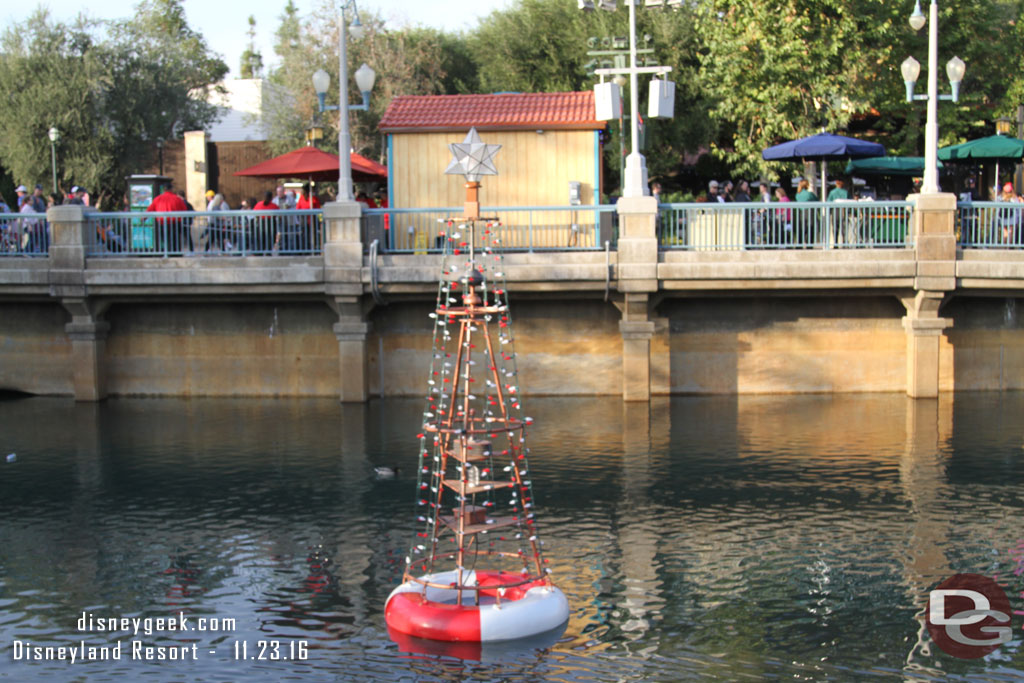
{"x":823,"y":147}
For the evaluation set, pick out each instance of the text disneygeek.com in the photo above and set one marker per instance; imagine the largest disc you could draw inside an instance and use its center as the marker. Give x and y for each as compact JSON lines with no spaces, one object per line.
{"x":133,"y":646}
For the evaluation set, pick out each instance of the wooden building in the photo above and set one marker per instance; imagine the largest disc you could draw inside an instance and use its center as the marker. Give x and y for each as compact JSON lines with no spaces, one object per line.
{"x":547,"y":139}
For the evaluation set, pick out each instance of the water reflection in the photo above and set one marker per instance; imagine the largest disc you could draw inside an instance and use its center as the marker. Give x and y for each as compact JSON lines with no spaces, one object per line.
{"x":694,"y":537}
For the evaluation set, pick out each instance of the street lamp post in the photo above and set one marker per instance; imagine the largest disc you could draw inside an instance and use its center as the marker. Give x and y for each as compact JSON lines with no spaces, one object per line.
{"x":364,"y":81}
{"x":635,"y":183}
{"x":620,"y":81}
{"x":910,"y":70}
{"x":54,"y":137}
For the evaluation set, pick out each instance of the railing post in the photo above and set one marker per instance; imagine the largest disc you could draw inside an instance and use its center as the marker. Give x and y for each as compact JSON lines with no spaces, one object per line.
{"x":87,"y":332}
{"x":637,"y":278}
{"x":530,"y":220}
{"x":343,"y":266}
{"x":933,"y":222}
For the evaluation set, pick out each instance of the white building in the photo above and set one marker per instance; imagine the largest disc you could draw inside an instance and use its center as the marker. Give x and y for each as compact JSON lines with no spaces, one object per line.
{"x":243,"y":103}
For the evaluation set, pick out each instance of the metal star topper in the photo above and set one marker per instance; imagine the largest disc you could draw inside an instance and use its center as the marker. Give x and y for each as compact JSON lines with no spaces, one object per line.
{"x":472,"y":158}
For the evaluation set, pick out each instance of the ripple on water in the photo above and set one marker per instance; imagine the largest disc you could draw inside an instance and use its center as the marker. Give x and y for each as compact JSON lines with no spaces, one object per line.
{"x":730,"y":538}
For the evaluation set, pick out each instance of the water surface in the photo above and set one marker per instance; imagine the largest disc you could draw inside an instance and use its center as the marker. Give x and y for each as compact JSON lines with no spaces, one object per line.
{"x":734,"y":537}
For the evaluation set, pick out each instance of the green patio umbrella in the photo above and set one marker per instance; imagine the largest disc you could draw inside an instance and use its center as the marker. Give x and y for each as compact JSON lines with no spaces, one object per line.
{"x":888,"y":166}
{"x":992,"y":148}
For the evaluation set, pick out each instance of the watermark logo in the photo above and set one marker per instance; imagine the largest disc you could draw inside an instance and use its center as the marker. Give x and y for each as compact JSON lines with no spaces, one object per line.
{"x":969,"y":616}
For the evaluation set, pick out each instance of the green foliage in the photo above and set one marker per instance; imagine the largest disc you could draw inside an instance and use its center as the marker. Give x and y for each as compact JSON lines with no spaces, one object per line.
{"x":542,"y":46}
{"x":97,"y":83}
{"x":777,"y":72}
{"x":407,"y":62}
{"x":780,"y":71}
{"x":535,"y":46}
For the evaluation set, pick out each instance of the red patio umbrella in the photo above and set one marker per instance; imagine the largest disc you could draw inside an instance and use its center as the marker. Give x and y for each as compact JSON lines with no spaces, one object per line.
{"x":314,"y":164}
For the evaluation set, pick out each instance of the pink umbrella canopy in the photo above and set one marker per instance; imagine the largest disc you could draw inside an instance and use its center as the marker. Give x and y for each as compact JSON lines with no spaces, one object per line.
{"x":314,"y":164}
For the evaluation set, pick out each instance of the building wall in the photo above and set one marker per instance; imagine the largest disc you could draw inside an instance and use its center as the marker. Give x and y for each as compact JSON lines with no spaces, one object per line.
{"x":792,"y":345}
{"x":222,"y":349}
{"x":533,"y":169}
{"x":565,"y":346}
{"x":234,"y":156}
{"x":223,"y":159}
{"x":561,"y":348}
{"x":35,"y":353}
{"x":242,"y":103}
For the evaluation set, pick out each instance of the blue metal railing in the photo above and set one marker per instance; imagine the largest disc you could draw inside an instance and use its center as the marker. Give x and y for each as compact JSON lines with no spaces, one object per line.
{"x":523,"y":228}
{"x":784,"y":225}
{"x":992,"y":225}
{"x":228,"y":233}
{"x":24,"y":234}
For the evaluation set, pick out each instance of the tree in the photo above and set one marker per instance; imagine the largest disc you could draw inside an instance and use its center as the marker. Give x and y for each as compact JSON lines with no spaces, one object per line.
{"x":407,"y":62}
{"x":542,"y":46}
{"x":110,"y":88}
{"x":251,"y":61}
{"x":780,"y":71}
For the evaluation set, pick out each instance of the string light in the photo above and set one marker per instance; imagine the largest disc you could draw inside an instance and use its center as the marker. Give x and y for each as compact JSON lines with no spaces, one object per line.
{"x":448,"y":381}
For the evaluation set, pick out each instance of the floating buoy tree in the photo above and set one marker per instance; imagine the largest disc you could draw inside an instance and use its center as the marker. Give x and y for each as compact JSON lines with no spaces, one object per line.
{"x":475,"y":570}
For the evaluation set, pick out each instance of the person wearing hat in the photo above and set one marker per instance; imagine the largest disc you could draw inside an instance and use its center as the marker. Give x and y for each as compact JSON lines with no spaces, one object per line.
{"x":22,"y":195}
{"x":76,"y":196}
{"x":38,"y":200}
{"x":712,"y":195}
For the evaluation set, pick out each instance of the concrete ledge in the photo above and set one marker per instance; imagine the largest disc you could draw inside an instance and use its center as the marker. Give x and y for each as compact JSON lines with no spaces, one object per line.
{"x":936,"y":268}
{"x":339,"y":210}
{"x":992,"y":270}
{"x":21,"y":271}
{"x":635,"y":205}
{"x":786,"y":255}
{"x":989,"y":284}
{"x":926,"y":325}
{"x":785,"y":271}
{"x":238,"y":271}
{"x":781,"y":285}
{"x":991,"y":255}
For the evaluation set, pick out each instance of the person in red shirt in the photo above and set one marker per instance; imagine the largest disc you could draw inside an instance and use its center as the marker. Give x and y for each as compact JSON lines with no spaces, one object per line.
{"x":266,"y":229}
{"x":306,"y":200}
{"x":170,"y":232}
{"x":307,"y":234}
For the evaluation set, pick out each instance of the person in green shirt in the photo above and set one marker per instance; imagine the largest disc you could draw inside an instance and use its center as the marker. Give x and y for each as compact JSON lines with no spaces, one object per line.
{"x":838,"y":192}
{"x":803,"y":192}
{"x":805,"y":221}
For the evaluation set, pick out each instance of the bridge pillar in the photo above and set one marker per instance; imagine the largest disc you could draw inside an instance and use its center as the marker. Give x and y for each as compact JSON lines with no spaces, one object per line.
{"x":636,"y":280}
{"x":351,"y":331}
{"x":923,"y":327}
{"x":68,"y":228}
{"x":933,"y":224}
{"x":88,"y":335}
{"x":343,"y":266}
{"x":86,"y":331}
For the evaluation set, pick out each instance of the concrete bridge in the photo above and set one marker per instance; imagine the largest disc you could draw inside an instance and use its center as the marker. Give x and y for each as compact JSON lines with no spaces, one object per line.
{"x":633,"y":320}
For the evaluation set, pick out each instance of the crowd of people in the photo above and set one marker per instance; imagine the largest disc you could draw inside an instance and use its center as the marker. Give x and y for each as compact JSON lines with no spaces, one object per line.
{"x":263,"y":233}
{"x":782,"y":224}
{"x":30,"y":232}
{"x":258,"y":232}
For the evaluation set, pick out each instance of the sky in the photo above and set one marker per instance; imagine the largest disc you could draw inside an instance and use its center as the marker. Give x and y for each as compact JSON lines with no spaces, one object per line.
{"x":224,"y":22}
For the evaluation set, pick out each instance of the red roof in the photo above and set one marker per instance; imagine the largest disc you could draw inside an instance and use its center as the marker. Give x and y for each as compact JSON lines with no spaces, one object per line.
{"x":504,"y":111}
